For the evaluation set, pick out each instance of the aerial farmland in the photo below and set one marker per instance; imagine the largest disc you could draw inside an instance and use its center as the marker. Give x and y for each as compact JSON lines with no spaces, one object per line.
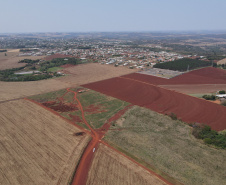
{"x":107,"y":115}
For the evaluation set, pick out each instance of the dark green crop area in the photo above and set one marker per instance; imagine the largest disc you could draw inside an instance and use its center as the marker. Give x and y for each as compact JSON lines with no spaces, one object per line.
{"x":183,"y":64}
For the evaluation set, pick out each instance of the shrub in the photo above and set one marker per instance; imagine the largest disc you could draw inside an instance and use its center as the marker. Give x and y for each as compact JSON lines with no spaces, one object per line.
{"x":223,"y":103}
{"x":173,"y":116}
{"x":207,"y":140}
{"x":210,"y":136}
{"x":222,"y":92}
{"x":209,"y":97}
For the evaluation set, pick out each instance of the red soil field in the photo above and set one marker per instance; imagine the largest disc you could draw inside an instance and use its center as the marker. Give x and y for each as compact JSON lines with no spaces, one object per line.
{"x":187,"y":108}
{"x":56,"y":56}
{"x":61,"y":107}
{"x":208,"y":75}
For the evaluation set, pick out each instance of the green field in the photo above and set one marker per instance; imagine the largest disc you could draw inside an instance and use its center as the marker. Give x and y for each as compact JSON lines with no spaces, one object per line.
{"x":98,"y":107}
{"x":54,"y":69}
{"x":110,"y":106}
{"x":168,"y":147}
{"x":183,"y":64}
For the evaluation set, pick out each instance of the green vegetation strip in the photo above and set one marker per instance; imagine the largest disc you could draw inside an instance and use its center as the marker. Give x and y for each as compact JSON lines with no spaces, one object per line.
{"x":47,"y":69}
{"x":169,"y":146}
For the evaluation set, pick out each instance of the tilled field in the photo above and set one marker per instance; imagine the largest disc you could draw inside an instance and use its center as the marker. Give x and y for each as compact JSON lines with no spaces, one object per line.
{"x":208,"y":75}
{"x":111,"y":168}
{"x":187,"y":108}
{"x":37,"y":146}
{"x":196,"y":88}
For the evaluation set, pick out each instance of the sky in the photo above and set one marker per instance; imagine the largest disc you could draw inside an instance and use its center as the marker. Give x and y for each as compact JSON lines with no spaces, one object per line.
{"x":24,"y":16}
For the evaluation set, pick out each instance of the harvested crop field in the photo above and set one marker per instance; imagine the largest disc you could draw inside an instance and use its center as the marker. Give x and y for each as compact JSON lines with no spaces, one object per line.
{"x":208,"y":75}
{"x":37,"y":147}
{"x":111,"y":168}
{"x":14,"y":90}
{"x":187,"y":108}
{"x":92,"y":72}
{"x":12,"y":59}
{"x":167,"y":146}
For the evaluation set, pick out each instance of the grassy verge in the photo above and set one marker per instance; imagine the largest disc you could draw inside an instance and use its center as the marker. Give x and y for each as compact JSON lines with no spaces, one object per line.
{"x":51,"y":96}
{"x":54,"y":69}
{"x":167,"y":147}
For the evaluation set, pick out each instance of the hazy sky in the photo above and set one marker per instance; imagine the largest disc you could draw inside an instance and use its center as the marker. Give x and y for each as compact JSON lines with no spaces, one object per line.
{"x":111,"y":15}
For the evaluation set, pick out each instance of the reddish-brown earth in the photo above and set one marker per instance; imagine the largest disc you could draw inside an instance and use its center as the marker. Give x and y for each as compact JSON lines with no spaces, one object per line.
{"x":56,"y":56}
{"x":75,"y":118}
{"x":61,"y":107}
{"x":94,"y":109}
{"x":187,"y":108}
{"x":208,"y":75}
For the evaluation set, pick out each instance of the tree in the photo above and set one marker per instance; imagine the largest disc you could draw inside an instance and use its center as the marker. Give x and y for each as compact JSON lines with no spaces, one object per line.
{"x":222,"y":92}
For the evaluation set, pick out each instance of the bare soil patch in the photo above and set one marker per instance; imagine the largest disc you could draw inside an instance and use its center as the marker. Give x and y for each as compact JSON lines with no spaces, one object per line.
{"x":56,"y":56}
{"x":207,"y":75}
{"x":196,"y":89}
{"x":111,"y":168}
{"x":37,"y":146}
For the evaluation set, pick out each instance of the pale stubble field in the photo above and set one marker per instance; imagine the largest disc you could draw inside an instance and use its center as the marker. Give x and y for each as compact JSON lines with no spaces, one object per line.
{"x":37,"y":146}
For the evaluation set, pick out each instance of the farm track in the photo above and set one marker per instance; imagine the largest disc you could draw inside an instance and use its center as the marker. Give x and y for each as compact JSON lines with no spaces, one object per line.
{"x":145,"y":94}
{"x":84,"y":165}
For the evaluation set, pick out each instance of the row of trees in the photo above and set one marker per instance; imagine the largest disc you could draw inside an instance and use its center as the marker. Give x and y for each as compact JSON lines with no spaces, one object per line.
{"x":29,"y":61}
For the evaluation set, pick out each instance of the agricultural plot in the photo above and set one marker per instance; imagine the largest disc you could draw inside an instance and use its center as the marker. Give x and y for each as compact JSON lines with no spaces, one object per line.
{"x":187,"y":108}
{"x":163,"y":73}
{"x":98,"y":108}
{"x":111,"y":168}
{"x":208,"y":75}
{"x":14,"y":90}
{"x":167,"y":147}
{"x":80,"y":74}
{"x":196,"y":88}
{"x":92,"y":72}
{"x":37,"y":146}
{"x":11,"y":59}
